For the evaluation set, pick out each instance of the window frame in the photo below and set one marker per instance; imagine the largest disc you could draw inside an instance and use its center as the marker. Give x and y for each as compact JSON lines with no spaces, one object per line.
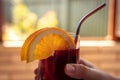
{"x":111,"y":20}
{"x":1,"y":19}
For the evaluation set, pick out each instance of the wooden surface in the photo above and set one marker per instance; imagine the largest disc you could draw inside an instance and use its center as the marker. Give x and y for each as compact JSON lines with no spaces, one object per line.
{"x":11,"y":68}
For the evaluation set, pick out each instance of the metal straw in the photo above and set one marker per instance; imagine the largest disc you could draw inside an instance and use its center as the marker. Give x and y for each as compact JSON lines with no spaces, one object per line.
{"x":85,"y":17}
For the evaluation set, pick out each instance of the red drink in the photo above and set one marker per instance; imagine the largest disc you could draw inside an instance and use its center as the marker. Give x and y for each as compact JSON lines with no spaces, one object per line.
{"x":52,"y":68}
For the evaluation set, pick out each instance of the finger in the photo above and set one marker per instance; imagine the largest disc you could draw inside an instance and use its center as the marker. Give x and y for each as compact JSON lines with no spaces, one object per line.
{"x":80,"y":71}
{"x":36,"y":71}
{"x":36,"y":74}
{"x":77,"y":71}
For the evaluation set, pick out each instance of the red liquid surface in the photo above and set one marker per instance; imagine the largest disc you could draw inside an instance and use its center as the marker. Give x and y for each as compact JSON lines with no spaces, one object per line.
{"x":53,"y":67}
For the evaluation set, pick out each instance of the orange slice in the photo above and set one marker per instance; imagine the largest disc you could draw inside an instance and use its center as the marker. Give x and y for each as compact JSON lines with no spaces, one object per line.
{"x":42,"y":43}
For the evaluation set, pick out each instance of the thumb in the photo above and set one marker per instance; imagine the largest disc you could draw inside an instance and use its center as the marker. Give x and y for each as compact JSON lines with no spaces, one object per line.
{"x":80,"y":71}
{"x":77,"y":71}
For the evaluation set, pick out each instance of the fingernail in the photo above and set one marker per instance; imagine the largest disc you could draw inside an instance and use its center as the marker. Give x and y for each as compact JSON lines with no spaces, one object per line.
{"x":70,"y":68}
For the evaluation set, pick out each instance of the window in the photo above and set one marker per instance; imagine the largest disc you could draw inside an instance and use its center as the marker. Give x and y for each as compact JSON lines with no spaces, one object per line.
{"x":66,"y":14}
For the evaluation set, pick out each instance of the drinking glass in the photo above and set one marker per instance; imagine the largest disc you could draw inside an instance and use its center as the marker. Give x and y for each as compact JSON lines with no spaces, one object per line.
{"x":52,"y":68}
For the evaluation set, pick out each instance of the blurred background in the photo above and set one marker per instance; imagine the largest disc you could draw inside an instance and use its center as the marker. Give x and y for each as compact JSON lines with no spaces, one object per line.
{"x":100,"y":33}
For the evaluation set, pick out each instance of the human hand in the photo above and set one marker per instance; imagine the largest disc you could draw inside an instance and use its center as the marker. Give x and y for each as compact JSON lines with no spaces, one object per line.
{"x":87,"y":71}
{"x":84,"y":70}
